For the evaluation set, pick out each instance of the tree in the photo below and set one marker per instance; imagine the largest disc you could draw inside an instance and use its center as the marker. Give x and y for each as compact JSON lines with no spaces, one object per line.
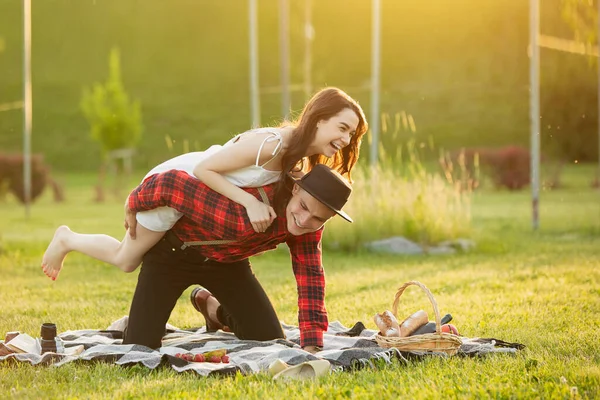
{"x":115,"y":120}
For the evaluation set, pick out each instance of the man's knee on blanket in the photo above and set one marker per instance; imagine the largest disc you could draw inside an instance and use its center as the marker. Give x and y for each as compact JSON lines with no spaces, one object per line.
{"x":261,"y":333}
{"x":144,"y":340}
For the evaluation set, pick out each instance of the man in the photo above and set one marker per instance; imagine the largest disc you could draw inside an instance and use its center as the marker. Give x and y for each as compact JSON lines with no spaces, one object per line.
{"x":211,"y":245}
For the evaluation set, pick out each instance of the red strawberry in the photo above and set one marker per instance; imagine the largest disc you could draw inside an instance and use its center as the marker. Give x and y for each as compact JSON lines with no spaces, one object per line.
{"x":225,"y":359}
{"x":199,"y":357}
{"x":214,"y":359}
{"x":178,"y":355}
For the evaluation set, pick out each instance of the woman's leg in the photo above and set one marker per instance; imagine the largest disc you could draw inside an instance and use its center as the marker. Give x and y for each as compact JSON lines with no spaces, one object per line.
{"x":126,"y":255}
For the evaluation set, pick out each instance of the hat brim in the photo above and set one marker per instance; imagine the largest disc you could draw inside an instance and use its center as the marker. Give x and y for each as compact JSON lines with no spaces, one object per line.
{"x":341,"y":213}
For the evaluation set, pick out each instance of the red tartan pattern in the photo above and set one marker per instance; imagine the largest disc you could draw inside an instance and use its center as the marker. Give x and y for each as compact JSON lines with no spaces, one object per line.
{"x":209,"y":215}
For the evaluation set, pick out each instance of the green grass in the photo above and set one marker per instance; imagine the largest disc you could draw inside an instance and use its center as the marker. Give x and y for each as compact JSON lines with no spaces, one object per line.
{"x":540,"y":289}
{"x":463,"y":79}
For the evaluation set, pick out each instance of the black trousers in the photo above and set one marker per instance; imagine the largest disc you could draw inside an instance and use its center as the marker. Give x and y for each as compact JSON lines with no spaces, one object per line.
{"x":167,"y":271}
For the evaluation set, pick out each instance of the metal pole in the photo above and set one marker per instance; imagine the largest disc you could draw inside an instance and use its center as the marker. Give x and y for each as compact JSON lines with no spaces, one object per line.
{"x":284,"y":54}
{"x":534,"y":87}
{"x":27,"y":104}
{"x":309,"y":35}
{"x":375,"y":58}
{"x":598,"y":60}
{"x":254,"y":90}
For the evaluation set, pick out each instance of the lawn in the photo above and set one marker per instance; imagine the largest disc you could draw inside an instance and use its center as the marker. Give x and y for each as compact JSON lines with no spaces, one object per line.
{"x":540,"y":289}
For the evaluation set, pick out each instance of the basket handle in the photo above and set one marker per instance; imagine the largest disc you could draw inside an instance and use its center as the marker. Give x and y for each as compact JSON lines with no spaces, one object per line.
{"x":438,"y":319}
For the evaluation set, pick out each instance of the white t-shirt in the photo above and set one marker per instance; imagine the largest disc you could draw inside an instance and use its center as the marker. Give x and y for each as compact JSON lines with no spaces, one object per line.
{"x":163,"y":218}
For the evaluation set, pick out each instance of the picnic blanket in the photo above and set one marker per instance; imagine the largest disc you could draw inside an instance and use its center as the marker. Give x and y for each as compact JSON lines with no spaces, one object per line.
{"x":345,"y":348}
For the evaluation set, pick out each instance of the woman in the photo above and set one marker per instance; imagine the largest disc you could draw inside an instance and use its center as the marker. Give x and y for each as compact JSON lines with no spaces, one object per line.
{"x":328,"y":131}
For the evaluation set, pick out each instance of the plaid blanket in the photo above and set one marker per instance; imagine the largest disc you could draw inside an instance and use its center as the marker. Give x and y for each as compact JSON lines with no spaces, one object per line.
{"x":345,"y":348}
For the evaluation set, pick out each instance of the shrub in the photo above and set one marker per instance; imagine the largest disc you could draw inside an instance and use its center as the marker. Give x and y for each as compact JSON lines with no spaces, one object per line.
{"x":11,"y":175}
{"x":508,"y":167}
{"x":115,"y":121}
{"x":3,"y":189}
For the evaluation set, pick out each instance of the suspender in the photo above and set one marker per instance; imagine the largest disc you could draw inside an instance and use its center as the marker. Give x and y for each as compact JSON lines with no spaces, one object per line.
{"x":263,"y":195}
{"x":185,"y":245}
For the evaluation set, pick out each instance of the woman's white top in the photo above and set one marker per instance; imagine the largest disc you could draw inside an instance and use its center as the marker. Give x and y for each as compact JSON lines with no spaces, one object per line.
{"x":163,"y":218}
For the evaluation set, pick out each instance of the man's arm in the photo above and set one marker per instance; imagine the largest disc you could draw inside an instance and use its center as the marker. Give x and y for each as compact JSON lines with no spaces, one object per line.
{"x":310,"y":278}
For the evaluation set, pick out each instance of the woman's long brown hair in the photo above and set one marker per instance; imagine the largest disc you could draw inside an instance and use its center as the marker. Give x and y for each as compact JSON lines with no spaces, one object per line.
{"x":322,"y":106}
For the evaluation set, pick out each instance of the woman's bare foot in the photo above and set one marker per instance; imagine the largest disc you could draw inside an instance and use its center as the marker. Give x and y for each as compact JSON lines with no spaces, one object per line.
{"x":56,"y":252}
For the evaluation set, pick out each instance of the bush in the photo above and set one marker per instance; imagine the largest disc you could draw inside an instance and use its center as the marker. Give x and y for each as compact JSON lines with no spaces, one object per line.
{"x":508,"y":167}
{"x":115,"y":121}
{"x":512,"y":167}
{"x":11,"y":175}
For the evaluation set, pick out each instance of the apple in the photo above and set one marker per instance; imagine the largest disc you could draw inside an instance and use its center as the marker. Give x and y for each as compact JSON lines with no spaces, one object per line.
{"x":449,"y":328}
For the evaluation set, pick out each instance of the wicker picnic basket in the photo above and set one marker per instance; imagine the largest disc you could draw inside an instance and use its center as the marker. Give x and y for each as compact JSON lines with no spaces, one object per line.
{"x":429,"y":342}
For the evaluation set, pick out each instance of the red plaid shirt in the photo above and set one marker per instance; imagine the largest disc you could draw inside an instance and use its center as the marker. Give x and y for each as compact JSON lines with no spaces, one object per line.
{"x":209,"y":215}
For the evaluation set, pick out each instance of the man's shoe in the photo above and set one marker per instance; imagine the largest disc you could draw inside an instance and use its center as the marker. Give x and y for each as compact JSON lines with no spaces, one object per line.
{"x":199,"y":298}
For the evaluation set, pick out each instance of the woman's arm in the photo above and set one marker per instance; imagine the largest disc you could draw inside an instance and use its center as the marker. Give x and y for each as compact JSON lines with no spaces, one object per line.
{"x":233,"y":157}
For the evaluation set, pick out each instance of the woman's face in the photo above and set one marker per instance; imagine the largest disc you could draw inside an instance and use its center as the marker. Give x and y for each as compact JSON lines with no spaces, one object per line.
{"x":335,"y":133}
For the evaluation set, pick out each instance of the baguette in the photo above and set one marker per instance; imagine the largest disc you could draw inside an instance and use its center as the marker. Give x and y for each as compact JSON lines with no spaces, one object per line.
{"x":387,"y":324}
{"x":413,"y":322}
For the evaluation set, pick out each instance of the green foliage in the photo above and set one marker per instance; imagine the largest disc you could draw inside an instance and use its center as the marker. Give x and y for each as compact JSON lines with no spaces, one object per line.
{"x":464,"y":79}
{"x":423,"y":207}
{"x":582,"y":18}
{"x":115,"y":121}
{"x":401,"y":197}
{"x":569,"y":111}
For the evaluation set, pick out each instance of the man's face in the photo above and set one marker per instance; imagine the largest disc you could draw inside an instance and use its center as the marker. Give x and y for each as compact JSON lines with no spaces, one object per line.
{"x":304,"y":213}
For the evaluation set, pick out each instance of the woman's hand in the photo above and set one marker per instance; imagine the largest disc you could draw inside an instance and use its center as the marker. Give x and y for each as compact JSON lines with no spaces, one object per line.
{"x":130,"y":221}
{"x":261,"y":215}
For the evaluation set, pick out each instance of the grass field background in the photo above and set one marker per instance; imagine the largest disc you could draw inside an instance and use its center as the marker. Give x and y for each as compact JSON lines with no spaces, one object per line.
{"x":540,"y":289}
{"x":463,"y":79}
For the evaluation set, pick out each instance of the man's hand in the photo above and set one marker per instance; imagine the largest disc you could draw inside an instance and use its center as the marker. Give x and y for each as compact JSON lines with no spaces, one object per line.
{"x":130,"y":221}
{"x":312,"y":349}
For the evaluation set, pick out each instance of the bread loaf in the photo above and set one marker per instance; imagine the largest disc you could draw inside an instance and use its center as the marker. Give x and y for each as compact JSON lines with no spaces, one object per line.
{"x":412,"y":323}
{"x":387,"y":324}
